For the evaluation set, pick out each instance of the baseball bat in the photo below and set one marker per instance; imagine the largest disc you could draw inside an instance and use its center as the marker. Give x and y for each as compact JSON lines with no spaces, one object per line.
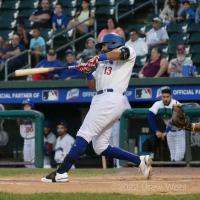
{"x":39,"y":70}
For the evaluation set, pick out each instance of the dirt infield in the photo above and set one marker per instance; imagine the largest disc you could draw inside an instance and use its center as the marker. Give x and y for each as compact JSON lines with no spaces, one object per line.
{"x":127,"y":180}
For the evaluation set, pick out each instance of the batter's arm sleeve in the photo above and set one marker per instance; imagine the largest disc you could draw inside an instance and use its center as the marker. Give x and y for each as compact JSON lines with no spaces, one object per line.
{"x":152,"y":121}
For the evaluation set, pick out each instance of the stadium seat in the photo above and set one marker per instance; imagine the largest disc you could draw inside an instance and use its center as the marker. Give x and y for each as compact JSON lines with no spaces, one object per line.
{"x":5,"y":33}
{"x":26,"y":13}
{"x":68,"y":3}
{"x":193,"y":28}
{"x":176,"y":28}
{"x":9,"y":5}
{"x":195,"y":49}
{"x":24,"y":4}
{"x":196,"y":59}
{"x":194,"y":38}
{"x":70,"y":11}
{"x":104,"y":11}
{"x":104,"y":3}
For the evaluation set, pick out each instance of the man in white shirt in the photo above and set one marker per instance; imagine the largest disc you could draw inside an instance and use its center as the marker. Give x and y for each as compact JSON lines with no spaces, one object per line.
{"x":137,"y":43}
{"x":64,"y":142}
{"x":157,"y":35}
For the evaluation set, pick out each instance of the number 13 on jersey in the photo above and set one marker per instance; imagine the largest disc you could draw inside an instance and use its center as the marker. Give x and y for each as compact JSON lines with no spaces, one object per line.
{"x":108,"y":70}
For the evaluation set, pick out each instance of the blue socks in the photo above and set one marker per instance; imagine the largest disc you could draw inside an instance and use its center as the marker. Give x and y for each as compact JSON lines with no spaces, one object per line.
{"x":121,"y":154}
{"x":76,"y":151}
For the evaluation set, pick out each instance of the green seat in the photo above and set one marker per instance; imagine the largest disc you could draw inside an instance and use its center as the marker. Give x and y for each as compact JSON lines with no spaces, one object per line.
{"x":24,"y":4}
{"x":196,"y":59}
{"x":9,"y":5}
{"x":177,"y":38}
{"x":26,"y":13}
{"x":70,"y":11}
{"x":68,"y":3}
{"x":104,"y":11}
{"x":194,"y":38}
{"x":104,"y":3}
{"x":193,"y":28}
{"x":5,"y":33}
{"x":195,"y":49}
{"x":176,"y":28}
{"x":45,"y":33}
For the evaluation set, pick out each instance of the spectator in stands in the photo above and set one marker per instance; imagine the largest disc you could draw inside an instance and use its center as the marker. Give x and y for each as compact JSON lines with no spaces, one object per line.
{"x":197,"y":14}
{"x":156,"y":66}
{"x":42,"y":17}
{"x":176,"y":65}
{"x":51,"y":61}
{"x":37,"y":46}
{"x":64,"y":142}
{"x":49,"y":144}
{"x":60,"y":20}
{"x":170,"y":11}
{"x":24,"y":36}
{"x":89,"y":51}
{"x":111,"y":27}
{"x":187,"y":13}
{"x":83,"y":14}
{"x":157,"y":35}
{"x":137,"y":43}
{"x":14,"y":49}
{"x":68,"y":74}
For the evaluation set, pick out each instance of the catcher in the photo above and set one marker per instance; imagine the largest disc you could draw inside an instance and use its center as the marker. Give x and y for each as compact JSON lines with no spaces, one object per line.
{"x":180,"y":120}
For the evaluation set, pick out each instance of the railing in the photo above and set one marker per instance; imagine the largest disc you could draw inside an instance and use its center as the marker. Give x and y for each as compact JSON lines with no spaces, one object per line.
{"x":134,"y":9}
{"x":52,"y":38}
{"x":28,"y":65}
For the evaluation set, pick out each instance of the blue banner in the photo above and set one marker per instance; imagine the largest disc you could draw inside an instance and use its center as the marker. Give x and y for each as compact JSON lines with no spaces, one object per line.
{"x":81,"y":95}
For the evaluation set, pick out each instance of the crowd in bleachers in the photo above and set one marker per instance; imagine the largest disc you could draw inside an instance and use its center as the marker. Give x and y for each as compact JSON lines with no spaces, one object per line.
{"x":168,"y":46}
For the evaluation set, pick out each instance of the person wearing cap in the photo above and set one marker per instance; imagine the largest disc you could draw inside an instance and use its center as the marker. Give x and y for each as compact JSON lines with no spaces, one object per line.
{"x":50,"y":61}
{"x":175,"y":136}
{"x":175,"y":67}
{"x":67,"y":74}
{"x":64,"y":142}
{"x":157,"y":35}
{"x":137,"y":43}
{"x":49,"y":144}
{"x":37,"y":45}
{"x":27,"y":131}
{"x":89,"y":50}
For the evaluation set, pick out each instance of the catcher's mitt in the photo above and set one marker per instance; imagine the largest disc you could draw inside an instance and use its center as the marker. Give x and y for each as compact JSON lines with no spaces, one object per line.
{"x":179,"y":118}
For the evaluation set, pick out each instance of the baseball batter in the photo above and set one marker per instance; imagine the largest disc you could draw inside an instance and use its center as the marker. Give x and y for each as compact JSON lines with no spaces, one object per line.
{"x":175,"y":136}
{"x":27,"y":131}
{"x":113,"y":71}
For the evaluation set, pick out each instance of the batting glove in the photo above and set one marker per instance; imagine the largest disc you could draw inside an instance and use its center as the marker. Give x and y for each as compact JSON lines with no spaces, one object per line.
{"x":93,"y":62}
{"x":83,"y":67}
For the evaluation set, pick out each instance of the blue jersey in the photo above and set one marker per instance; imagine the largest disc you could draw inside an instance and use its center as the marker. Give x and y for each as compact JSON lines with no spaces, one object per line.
{"x":55,"y":63}
{"x":61,"y":21}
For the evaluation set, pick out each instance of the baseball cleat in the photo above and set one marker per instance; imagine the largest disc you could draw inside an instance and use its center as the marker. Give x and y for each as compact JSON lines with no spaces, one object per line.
{"x":145,"y":166}
{"x":55,"y":177}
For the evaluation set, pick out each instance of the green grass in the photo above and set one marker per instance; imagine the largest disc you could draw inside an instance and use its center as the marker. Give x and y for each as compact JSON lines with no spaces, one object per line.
{"x":5,"y":172}
{"x":86,"y":196}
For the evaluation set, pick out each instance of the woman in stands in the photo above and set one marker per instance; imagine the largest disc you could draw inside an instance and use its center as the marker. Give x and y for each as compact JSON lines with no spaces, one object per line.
{"x":111,"y":27}
{"x":170,"y":11}
{"x":83,"y":14}
{"x":156,"y":66}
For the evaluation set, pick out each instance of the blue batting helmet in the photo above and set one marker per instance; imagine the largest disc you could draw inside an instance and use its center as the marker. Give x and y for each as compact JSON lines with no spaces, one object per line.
{"x":113,"y":40}
{"x":28,"y":101}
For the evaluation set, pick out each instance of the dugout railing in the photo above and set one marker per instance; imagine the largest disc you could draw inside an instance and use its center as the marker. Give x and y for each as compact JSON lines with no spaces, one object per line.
{"x":38,"y":118}
{"x":142,"y":113}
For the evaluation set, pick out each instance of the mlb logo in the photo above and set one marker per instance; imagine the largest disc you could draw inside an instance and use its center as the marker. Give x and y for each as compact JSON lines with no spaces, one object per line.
{"x":50,"y":95}
{"x":72,"y":94}
{"x":143,"y":93}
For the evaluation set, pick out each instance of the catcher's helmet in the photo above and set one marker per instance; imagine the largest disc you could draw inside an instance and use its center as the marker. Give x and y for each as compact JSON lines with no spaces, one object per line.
{"x":28,"y":101}
{"x":113,"y":40}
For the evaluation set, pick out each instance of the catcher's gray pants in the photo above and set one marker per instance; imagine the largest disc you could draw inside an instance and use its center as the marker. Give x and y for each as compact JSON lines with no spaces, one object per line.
{"x":176,"y":144}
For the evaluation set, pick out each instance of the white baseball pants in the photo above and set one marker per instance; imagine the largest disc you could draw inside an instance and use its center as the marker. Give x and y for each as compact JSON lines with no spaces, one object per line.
{"x":176,"y":144}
